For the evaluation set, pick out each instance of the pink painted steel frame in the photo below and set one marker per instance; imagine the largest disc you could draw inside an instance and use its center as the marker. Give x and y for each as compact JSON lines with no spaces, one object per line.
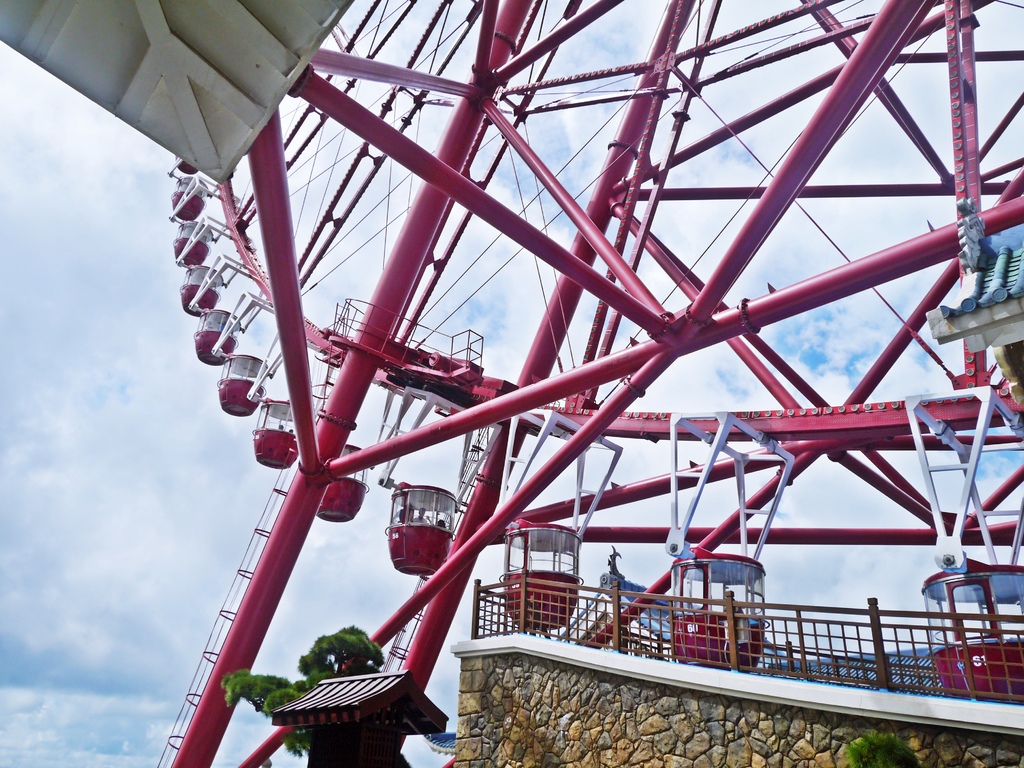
{"x":706,"y":321}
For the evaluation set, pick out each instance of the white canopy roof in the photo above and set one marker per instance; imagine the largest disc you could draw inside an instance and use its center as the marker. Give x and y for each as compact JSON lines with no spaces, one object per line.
{"x":199,"y":77}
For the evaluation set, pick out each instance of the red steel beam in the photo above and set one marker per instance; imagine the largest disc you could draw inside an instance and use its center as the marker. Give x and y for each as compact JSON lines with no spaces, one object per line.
{"x":753,"y":29}
{"x":822,"y":191}
{"x":895,"y":476}
{"x":940,"y":58}
{"x":892,"y":28}
{"x":921,"y":511}
{"x":888,"y":98}
{"x":998,"y":131}
{"x":573,"y":210}
{"x":352,"y":115}
{"x":905,"y":335}
{"x":836,"y":35}
{"x":273,"y":206}
{"x":909,"y":537}
{"x":485,"y":41}
{"x":867,"y":422}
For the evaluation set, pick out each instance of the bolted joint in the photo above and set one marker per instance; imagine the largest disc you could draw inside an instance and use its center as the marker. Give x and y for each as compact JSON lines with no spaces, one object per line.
{"x":488,"y":481}
{"x":692,"y":320}
{"x":745,"y":318}
{"x":628,"y":384}
{"x":337,"y":421}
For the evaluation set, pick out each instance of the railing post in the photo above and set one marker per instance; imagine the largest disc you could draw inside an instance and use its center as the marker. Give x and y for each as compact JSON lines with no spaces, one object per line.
{"x":804,"y":666}
{"x":881,"y":662}
{"x":524,"y":619}
{"x":965,"y":655}
{"x":616,"y":619}
{"x":730,"y":630}
{"x":477,"y":617}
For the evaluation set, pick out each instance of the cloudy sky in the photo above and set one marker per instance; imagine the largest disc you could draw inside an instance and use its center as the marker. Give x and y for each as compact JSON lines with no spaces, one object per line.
{"x":128,"y":497}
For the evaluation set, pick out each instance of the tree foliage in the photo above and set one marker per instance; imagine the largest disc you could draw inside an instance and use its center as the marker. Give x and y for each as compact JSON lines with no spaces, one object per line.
{"x":881,"y":750}
{"x":345,"y":653}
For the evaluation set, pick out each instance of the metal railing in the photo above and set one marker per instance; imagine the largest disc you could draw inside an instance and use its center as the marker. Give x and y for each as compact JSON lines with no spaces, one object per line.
{"x":979,"y":656}
{"x":465,"y":348}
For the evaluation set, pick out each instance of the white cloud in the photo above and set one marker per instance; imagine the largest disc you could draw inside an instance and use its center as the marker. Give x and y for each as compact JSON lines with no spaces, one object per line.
{"x":128,"y":496}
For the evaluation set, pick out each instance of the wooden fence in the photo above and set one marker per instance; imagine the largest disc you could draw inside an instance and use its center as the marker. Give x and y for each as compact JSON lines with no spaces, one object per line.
{"x":976,"y":656}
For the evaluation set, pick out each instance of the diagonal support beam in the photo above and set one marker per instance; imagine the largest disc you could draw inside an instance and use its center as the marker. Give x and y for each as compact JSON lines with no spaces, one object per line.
{"x":270,"y":189}
{"x":586,"y":226}
{"x":349,"y":113}
{"x":893,"y":26}
{"x":887,"y":96}
{"x":887,"y":489}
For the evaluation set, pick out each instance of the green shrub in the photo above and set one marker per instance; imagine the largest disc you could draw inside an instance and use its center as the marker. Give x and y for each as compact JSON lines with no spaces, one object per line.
{"x":881,"y":750}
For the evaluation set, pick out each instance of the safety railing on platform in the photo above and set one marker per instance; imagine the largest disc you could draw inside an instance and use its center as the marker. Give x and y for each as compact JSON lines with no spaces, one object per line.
{"x":978,"y":656}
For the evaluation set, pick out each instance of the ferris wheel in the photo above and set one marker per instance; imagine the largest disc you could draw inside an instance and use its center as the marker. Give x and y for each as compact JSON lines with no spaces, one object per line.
{"x":648,"y":211}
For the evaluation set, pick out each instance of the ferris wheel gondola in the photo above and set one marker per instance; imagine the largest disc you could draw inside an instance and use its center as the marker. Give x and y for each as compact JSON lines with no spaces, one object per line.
{"x":978,"y":628}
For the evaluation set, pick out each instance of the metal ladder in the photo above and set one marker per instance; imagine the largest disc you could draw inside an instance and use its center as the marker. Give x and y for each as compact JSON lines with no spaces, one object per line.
{"x":399,"y":650}
{"x":225,"y":617}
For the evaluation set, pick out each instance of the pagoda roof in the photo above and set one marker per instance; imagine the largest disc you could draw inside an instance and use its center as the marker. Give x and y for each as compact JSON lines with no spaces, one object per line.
{"x":989,"y":310}
{"x":354,"y":699}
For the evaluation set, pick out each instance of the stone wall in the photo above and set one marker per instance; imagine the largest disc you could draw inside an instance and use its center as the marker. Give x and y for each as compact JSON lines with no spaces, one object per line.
{"x":521,"y":711}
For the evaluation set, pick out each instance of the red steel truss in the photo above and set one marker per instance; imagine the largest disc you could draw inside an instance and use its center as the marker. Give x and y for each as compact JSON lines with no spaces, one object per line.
{"x":495,"y":102}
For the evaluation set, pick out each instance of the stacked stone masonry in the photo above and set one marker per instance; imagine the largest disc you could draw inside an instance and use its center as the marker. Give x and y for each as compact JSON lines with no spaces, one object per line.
{"x":520,"y":711}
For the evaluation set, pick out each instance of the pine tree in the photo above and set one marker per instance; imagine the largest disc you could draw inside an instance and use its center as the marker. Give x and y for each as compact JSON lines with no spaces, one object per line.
{"x":345,"y":653}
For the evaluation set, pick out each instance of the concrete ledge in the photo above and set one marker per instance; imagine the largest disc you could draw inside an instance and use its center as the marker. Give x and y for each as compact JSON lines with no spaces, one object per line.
{"x":989,"y":717}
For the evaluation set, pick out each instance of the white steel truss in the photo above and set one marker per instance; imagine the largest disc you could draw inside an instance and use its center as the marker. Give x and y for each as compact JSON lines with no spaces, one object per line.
{"x":949,"y":552}
{"x":767,"y":450}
